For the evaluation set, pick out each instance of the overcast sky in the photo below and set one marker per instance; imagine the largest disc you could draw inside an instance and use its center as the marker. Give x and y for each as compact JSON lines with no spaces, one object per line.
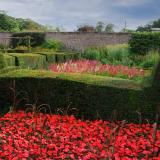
{"x":71,"y":13}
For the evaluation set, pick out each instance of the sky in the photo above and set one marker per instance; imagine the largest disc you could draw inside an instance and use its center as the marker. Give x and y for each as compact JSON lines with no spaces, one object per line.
{"x":69,"y":14}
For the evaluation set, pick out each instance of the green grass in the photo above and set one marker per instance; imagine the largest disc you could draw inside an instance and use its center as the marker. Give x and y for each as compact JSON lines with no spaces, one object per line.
{"x":84,"y":78}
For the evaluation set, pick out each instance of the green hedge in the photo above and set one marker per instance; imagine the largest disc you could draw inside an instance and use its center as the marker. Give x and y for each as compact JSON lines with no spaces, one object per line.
{"x":93,"y":96}
{"x":2,"y":61}
{"x":10,"y":60}
{"x":38,"y":38}
{"x":6,"y":60}
{"x":28,"y":60}
{"x":142,"y":43}
{"x":8,"y":69}
{"x":59,"y":57}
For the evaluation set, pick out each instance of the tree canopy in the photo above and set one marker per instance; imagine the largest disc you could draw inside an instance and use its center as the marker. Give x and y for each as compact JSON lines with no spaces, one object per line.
{"x":148,"y":27}
{"x":11,"y":24}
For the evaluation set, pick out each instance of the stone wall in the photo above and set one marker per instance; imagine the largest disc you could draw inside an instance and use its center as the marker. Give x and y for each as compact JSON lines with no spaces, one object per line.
{"x":5,"y":38}
{"x":79,"y":40}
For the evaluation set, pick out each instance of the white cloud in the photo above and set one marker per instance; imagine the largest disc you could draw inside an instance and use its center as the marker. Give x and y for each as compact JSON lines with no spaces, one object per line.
{"x":132,"y":2}
{"x":71,"y":13}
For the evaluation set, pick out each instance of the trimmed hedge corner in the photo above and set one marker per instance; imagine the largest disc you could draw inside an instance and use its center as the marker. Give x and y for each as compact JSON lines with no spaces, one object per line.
{"x":28,"y":60}
{"x":10,"y":60}
{"x":6,"y":60}
{"x":93,"y":96}
{"x":59,"y":57}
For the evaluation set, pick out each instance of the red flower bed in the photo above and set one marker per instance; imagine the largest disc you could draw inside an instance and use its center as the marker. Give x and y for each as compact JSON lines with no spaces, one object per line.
{"x":28,"y":136}
{"x":94,"y":67}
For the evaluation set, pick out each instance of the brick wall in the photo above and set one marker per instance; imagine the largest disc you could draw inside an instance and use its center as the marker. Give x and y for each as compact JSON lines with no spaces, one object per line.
{"x":4,"y":38}
{"x":79,"y":41}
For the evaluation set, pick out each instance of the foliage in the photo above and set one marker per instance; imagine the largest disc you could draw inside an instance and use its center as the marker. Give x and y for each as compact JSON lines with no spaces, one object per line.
{"x":44,"y":136}
{"x":28,"y":60}
{"x":11,"y":24}
{"x":114,"y":54}
{"x":2,"y":46}
{"x":80,"y":91}
{"x":28,"y":25}
{"x":53,"y":44}
{"x":8,"y":23}
{"x":37,"y":39}
{"x":150,"y":60}
{"x":99,"y":27}
{"x":143,"y":43}
{"x":109,"y":28}
{"x":2,"y":61}
{"x":148,"y":27}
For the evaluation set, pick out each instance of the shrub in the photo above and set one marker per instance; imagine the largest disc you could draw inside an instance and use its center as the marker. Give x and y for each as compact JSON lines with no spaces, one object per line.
{"x":53,"y":44}
{"x":143,"y":43}
{"x":81,"y":92}
{"x":9,"y":60}
{"x":28,"y":60}
{"x":150,"y":60}
{"x":2,"y":61}
{"x":91,"y":54}
{"x":50,"y":56}
{"x":113,"y":54}
{"x":8,"y":69}
{"x":37,"y":39}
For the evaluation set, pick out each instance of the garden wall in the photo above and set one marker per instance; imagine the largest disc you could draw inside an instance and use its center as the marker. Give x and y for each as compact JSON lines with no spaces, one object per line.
{"x":3,"y":39}
{"x":79,"y":41}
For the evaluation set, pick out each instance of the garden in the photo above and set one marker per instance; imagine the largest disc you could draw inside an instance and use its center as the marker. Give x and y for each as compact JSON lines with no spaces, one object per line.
{"x":99,"y":103}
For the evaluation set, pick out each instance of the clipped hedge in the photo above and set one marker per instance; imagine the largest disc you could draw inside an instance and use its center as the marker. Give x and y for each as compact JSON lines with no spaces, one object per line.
{"x":142,"y":43}
{"x":28,"y":60}
{"x":10,"y":60}
{"x":38,"y":38}
{"x":2,"y":61}
{"x":93,"y":96}
{"x":59,"y":57}
{"x":6,"y":60}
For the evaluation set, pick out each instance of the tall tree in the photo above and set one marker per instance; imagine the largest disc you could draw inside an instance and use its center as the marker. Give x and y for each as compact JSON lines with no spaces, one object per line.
{"x":100,"y":26}
{"x":148,"y":27}
{"x":109,"y":28}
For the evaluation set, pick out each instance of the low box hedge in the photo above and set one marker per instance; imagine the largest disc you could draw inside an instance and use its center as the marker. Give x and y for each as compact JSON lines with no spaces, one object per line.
{"x":93,"y":96}
{"x":50,"y":57}
{"x":6,"y":60}
{"x":28,"y":60}
{"x":10,"y":60}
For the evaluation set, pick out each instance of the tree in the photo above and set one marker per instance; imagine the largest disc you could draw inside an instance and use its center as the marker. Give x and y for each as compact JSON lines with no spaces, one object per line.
{"x":148,"y":27}
{"x":11,"y":24}
{"x":109,"y":28}
{"x":30,"y":25}
{"x":100,"y":26}
{"x":8,"y":23}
